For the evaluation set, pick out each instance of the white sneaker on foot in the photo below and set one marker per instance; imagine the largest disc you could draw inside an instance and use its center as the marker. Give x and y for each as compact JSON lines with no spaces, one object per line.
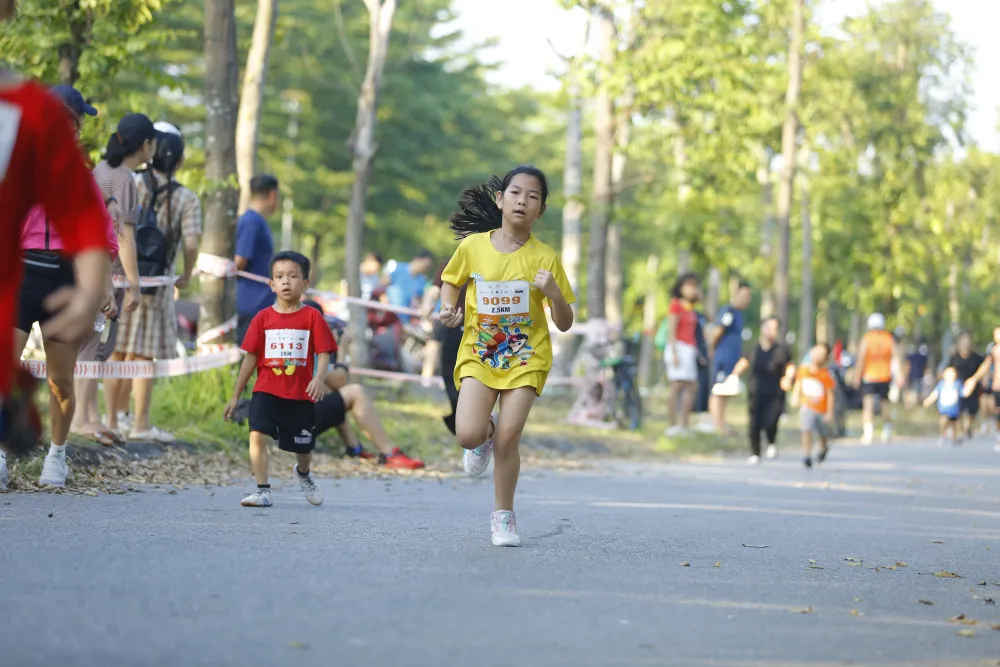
{"x":772,"y":452}
{"x":54,"y":471}
{"x":152,"y":434}
{"x":503,"y":526}
{"x":259,"y":498}
{"x":867,"y":434}
{"x":753,"y":460}
{"x":4,"y":475}
{"x":475,"y":461}
{"x":887,"y":433}
{"x":314,"y":494}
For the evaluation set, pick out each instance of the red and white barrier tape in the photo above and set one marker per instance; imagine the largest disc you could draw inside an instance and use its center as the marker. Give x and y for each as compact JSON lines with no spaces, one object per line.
{"x":143,"y":369}
{"x":217,"y":332}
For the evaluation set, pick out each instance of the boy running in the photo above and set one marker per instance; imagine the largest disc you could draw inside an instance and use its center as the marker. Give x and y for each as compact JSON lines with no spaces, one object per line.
{"x":281,"y":344}
{"x":815,"y":386}
{"x":948,"y":396}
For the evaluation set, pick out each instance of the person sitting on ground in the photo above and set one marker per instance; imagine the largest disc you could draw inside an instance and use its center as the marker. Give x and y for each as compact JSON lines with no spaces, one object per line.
{"x":948,"y":396}
{"x":815,"y":391}
{"x":344,"y":399}
{"x":284,"y":343}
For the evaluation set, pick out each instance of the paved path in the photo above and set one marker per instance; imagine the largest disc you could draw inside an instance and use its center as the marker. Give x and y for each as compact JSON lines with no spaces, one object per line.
{"x":401,"y":573}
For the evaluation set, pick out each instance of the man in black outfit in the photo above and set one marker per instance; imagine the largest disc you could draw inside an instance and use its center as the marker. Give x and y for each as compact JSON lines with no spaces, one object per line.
{"x":771,"y":375}
{"x":967,"y":361}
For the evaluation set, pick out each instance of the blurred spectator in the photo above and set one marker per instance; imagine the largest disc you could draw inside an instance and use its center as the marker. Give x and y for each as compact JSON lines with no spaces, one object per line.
{"x":254,"y":248}
{"x":387,"y":334}
{"x":151,"y":331}
{"x":408,"y":280}
{"x":371,"y":274}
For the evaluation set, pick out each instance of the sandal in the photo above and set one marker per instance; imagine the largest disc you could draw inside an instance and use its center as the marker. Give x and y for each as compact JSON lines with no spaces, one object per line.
{"x":103,"y":439}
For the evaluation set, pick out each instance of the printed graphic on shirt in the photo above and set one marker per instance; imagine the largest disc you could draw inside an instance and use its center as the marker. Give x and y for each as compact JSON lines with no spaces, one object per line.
{"x":285,"y":350}
{"x":10,"y":123}
{"x":504,"y":323}
{"x":813,"y":388}
{"x":949,"y":396}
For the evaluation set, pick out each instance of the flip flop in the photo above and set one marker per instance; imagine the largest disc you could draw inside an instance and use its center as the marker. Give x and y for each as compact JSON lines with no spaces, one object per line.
{"x":102,"y":439}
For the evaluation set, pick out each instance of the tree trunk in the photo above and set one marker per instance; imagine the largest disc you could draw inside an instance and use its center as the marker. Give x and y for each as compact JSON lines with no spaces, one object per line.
{"x":712,"y":295}
{"x":806,"y":306}
{"x":363,"y":148}
{"x":854,"y":335}
{"x":954,"y":307}
{"x":252,"y":97}
{"x":221,"y":76}
{"x":604,"y":131}
{"x":70,"y":51}
{"x":789,"y":136}
{"x":615,"y":270}
{"x":767,"y":306}
{"x":650,"y":322}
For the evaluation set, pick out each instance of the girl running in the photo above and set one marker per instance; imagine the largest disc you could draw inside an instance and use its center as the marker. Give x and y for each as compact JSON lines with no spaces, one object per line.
{"x":505,"y":352}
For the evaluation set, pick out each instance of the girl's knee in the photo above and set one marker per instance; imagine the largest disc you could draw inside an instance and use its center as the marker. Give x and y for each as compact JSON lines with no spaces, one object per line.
{"x":470,"y":437}
{"x":506,"y":447}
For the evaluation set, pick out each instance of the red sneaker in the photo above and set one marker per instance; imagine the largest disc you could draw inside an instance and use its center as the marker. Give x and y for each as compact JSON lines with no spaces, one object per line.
{"x":359,"y":453}
{"x":400,"y":460}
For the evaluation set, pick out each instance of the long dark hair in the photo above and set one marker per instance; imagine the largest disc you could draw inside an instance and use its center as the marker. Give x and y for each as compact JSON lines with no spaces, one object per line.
{"x":477,"y":206}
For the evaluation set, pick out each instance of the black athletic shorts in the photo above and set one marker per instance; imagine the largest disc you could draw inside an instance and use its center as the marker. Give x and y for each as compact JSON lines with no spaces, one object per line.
{"x":44,"y":273}
{"x":996,"y":401}
{"x":880,"y":389}
{"x":291,"y":423}
{"x":970,"y":404}
{"x":330,"y":412}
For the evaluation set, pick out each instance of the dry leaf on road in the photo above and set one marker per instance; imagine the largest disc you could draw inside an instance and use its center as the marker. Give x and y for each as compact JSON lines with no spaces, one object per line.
{"x":685,"y":564}
{"x":802,"y":610}
{"x":755,"y":546}
{"x":966,"y":633}
{"x":937,"y":541}
{"x":926,"y":602}
{"x":945,"y":574}
{"x":718,"y":563}
{"x":900,"y":563}
{"x":855,"y":612}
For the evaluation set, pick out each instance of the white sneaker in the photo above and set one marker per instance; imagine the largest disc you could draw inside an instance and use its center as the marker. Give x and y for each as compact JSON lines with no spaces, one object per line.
{"x":772,"y":452}
{"x":54,"y":471}
{"x":259,"y":498}
{"x":125,"y":422}
{"x":503,"y":526}
{"x":753,"y":460}
{"x":153,"y":434}
{"x":868,"y":435}
{"x":475,"y":461}
{"x":314,"y":494}
{"x":4,"y":475}
{"x":886,"y":433}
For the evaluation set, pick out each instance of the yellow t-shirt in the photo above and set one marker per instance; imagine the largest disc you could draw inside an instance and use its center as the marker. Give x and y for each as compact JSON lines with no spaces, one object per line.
{"x":506,"y":342}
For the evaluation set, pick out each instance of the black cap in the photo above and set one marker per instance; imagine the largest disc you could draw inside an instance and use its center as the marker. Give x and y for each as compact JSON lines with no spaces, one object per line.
{"x":73,"y":99}
{"x":135,"y":129}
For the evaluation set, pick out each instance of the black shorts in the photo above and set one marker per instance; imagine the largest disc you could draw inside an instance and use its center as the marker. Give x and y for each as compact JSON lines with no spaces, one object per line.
{"x":43,"y":275}
{"x":996,"y":402}
{"x":330,"y":412}
{"x":880,"y":389}
{"x":970,"y":404}
{"x":291,"y":423}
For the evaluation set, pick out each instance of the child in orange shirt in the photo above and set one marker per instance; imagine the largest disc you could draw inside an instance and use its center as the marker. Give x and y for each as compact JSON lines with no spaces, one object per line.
{"x":815,"y":389}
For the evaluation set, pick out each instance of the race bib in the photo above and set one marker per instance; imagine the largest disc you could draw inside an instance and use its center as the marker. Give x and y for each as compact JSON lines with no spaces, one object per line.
{"x":286,"y":347}
{"x":949,"y":397}
{"x":503,"y":302}
{"x":10,"y":123}
{"x":812,"y":388}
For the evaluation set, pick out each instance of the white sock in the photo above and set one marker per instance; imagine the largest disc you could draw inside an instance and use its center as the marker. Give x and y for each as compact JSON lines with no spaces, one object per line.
{"x":57,"y":450}
{"x":869,"y":429}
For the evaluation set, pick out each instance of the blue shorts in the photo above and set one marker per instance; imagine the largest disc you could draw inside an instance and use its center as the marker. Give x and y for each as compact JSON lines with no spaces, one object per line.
{"x":722,"y":369}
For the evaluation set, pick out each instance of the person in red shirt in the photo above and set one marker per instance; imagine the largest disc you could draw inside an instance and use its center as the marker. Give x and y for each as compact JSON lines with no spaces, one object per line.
{"x":38,"y":149}
{"x":681,"y":352}
{"x":285,"y":344}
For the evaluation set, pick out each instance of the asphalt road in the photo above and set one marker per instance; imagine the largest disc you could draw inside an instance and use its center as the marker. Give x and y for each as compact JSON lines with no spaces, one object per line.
{"x":402,"y":573}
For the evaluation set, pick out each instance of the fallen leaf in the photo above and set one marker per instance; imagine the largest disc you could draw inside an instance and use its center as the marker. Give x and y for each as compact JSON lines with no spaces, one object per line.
{"x":816,"y":567}
{"x":172,"y":492}
{"x":853,"y":564}
{"x":297,"y":645}
{"x":855,"y":612}
{"x":900,"y":563}
{"x":937,"y":541}
{"x":806,"y":610}
{"x":812,"y":561}
{"x":851,"y":559}
{"x":981,"y":583}
{"x":685,"y":564}
{"x":966,"y":633}
{"x":718,"y":563}
{"x":90,"y":493}
{"x":944,"y":574}
{"x":50,"y":515}
{"x":755,"y":546}
{"x":858,"y":600}
{"x":994,"y":626}
{"x":926,"y":602}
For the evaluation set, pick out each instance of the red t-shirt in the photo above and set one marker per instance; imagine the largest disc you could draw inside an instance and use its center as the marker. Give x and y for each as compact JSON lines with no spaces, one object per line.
{"x":40,"y":163}
{"x":286,"y":345}
{"x":687,"y":322}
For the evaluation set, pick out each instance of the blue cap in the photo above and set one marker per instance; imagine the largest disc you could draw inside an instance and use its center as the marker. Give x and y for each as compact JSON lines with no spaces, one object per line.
{"x":73,"y":99}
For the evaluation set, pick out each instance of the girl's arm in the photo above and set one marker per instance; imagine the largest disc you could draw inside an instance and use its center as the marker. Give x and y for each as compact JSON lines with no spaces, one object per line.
{"x":741,"y":366}
{"x":562,"y":312}
{"x":130,"y":262}
{"x":450,"y":317}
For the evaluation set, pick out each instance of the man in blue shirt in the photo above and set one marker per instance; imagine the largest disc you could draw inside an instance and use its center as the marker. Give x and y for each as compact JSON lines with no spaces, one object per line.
{"x":408,"y":280}
{"x":254,"y":248}
{"x":727,"y":344}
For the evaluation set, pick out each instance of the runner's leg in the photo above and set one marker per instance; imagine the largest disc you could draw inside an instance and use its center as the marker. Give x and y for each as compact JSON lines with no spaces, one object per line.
{"x":259,"y":456}
{"x":755,"y":425}
{"x":142,"y":388}
{"x":60,"y":362}
{"x":359,"y":404}
{"x":515,"y":404}
{"x":475,"y":404}
{"x":689,"y":391}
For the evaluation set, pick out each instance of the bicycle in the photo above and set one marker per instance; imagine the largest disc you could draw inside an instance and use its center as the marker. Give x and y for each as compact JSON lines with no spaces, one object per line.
{"x":614,"y":393}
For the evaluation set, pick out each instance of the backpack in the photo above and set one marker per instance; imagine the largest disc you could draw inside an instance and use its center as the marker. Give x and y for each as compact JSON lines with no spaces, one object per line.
{"x":153,"y":246}
{"x":662,"y":335}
